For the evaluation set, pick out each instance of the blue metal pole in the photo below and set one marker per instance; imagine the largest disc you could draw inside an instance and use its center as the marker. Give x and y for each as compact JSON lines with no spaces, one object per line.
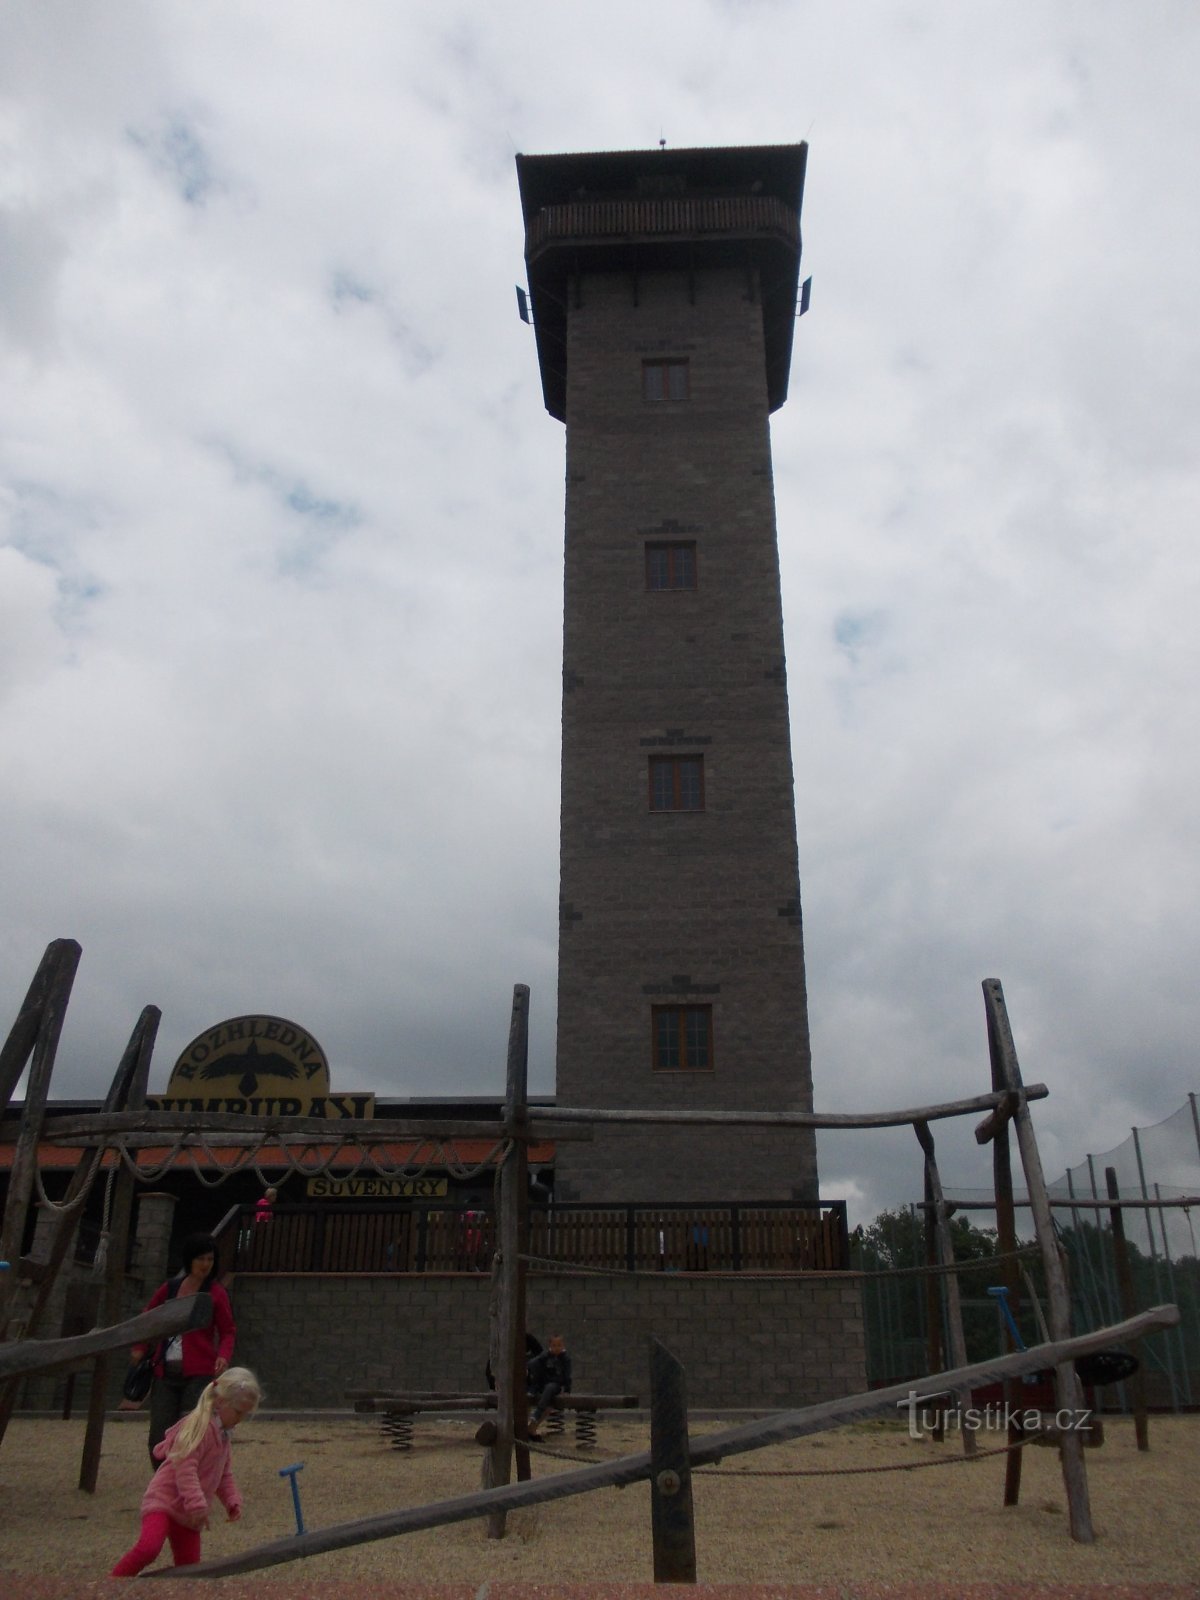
{"x":290,"y":1472}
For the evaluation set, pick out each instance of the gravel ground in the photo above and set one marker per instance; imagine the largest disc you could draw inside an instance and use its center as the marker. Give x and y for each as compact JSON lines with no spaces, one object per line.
{"x":936,"y":1532}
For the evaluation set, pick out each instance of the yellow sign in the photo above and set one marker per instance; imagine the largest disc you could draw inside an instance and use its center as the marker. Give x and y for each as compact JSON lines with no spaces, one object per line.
{"x":377,"y":1188}
{"x":257,"y":1066}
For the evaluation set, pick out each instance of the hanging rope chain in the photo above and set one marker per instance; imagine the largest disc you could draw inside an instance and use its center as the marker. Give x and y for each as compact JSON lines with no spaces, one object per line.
{"x":199,"y":1154}
{"x":71,"y":1207}
{"x":978,"y":1264}
{"x":537,"y":1448}
{"x":851,"y":1472}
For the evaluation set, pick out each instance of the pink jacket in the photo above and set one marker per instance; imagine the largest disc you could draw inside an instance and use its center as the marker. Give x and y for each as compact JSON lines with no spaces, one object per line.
{"x":185,"y":1489}
{"x":201,"y":1346}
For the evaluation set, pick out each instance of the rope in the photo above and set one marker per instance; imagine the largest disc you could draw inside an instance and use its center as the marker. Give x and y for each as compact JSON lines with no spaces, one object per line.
{"x":100,"y":1259}
{"x":201,"y":1159}
{"x":146,"y":1174}
{"x":70,"y":1208}
{"x":978,"y":1264}
{"x":988,"y":1263}
{"x":851,"y":1472}
{"x":578,"y":1269}
{"x":538,"y":1449}
{"x":802,"y":1472}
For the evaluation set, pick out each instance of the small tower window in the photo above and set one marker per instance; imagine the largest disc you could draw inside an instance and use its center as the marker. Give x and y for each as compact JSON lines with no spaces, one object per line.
{"x":682,"y":1038}
{"x":677,"y":783}
{"x":664,"y":380}
{"x":671,"y":566}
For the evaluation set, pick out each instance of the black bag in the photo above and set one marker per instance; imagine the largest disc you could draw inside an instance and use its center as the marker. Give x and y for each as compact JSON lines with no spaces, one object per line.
{"x":141,"y":1374}
{"x":138,"y":1380}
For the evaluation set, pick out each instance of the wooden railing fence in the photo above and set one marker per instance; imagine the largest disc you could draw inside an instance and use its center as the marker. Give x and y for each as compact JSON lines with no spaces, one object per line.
{"x":660,"y":217}
{"x":331,"y":1237}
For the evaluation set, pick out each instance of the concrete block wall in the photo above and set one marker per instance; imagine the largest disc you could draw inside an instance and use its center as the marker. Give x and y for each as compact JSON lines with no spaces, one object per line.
{"x":744,"y":1342}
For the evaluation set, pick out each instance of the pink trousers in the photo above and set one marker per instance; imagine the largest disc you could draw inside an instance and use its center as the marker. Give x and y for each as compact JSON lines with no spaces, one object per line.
{"x":157,"y":1528}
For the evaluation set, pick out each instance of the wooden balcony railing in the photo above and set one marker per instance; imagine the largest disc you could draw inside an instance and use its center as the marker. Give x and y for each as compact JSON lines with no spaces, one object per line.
{"x":329,"y":1237}
{"x":661,"y":218}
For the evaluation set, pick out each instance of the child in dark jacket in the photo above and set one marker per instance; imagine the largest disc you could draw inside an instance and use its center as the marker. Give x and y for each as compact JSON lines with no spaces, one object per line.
{"x":549,"y":1375}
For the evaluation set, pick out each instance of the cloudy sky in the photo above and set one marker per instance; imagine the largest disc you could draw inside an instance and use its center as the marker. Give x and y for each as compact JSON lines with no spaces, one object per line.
{"x":281,"y":526}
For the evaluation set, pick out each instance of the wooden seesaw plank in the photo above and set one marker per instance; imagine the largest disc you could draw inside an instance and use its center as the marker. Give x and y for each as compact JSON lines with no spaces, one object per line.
{"x":712,"y":1448}
{"x":25,"y":1356}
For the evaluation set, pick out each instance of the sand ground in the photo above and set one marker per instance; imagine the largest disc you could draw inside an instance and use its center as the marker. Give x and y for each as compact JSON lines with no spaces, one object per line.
{"x":936,"y":1525}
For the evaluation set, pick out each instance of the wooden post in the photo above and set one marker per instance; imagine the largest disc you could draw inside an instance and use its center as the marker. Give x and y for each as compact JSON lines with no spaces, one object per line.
{"x":133,"y":1074}
{"x":1125,"y":1289}
{"x":86,"y":1169}
{"x":1006,"y":1240}
{"x":64,"y":1234}
{"x":1066,"y":1382}
{"x":671,"y":1514}
{"x":958,"y":1341}
{"x":507,"y":1335}
{"x":935,"y":1352}
{"x":23,"y":1034}
{"x":37,"y":1029}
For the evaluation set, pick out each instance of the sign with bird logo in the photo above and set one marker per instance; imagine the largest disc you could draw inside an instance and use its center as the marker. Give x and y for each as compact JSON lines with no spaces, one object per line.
{"x":258,"y":1066}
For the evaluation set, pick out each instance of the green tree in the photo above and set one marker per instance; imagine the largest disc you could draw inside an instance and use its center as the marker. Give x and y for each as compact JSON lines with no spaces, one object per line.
{"x":896,"y":1299}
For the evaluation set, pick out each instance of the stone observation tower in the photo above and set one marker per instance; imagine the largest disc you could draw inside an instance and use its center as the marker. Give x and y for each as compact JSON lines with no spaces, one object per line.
{"x":663,"y":286}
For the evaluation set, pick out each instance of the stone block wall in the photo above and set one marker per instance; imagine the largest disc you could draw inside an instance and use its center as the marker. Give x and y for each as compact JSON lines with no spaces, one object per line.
{"x":744,"y":1342}
{"x":676,"y":908}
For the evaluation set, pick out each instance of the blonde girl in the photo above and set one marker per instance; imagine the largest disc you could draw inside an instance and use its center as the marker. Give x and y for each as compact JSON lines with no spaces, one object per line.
{"x":196,"y":1469}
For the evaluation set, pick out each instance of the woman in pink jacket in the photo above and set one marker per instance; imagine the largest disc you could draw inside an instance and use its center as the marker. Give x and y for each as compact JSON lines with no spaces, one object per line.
{"x":185,"y":1364}
{"x":196,"y":1469}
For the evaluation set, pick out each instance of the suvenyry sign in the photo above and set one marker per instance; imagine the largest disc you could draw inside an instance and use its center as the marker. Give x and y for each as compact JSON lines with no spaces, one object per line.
{"x":372,"y":1188}
{"x":258,"y":1067}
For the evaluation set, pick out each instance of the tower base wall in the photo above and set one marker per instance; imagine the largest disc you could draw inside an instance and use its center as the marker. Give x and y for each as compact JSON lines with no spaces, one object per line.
{"x":759,"y":1343}
{"x":647,"y":1165}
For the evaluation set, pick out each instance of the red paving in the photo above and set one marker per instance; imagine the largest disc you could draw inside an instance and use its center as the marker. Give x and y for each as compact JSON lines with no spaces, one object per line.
{"x":30,"y":1587}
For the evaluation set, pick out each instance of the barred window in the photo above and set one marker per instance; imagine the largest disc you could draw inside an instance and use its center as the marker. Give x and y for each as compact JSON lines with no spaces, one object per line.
{"x":671,"y":565}
{"x":664,"y":380}
{"x":682,"y":1038}
{"x":677,"y":783}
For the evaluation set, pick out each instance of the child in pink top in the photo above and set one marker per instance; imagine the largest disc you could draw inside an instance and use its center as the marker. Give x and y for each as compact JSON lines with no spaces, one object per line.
{"x":196,"y":1469}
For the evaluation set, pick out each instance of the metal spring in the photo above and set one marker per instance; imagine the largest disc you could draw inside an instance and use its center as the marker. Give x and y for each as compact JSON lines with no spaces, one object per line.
{"x":398,"y":1430}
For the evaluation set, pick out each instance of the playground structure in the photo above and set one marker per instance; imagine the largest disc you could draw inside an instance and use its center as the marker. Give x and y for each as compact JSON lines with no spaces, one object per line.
{"x":124,"y":1126}
{"x":1123,"y":1220}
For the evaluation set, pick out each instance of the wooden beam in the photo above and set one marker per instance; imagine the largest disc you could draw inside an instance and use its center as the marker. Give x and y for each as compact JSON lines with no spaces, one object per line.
{"x":945,"y":1245}
{"x":53,"y":985}
{"x":996,"y":1121}
{"x":133,"y":1074}
{"x":22,"y":1036}
{"x":1068,"y":1395}
{"x":506,"y":1336}
{"x":791,"y":1119}
{"x":82,"y":1179}
{"x":231,"y":1128}
{"x":428,"y":1400}
{"x":1006,"y":1238}
{"x":672,"y":1517}
{"x":544,"y":1123}
{"x":22,"y":1357}
{"x":706,"y":1451}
